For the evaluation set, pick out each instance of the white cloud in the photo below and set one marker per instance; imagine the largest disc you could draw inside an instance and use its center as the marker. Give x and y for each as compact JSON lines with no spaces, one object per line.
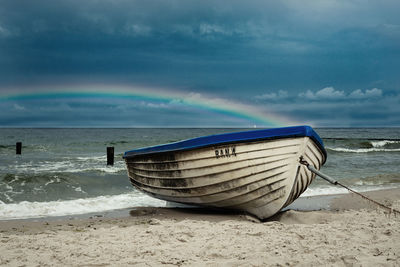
{"x":332,"y":93}
{"x":19,"y":107}
{"x":137,"y":30}
{"x":207,"y":29}
{"x":369,"y":93}
{"x":271,"y":96}
{"x":357,"y":94}
{"x":329,"y":92}
{"x":4,"y":31}
{"x":194,"y":95}
{"x":155,"y":105}
{"x":308,"y":94}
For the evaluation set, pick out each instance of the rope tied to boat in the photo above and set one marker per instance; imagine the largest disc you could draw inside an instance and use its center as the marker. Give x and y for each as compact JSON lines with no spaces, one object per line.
{"x":335,"y":182}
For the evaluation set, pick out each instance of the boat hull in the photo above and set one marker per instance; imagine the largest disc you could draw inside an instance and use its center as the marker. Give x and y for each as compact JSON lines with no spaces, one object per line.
{"x":259,"y":177}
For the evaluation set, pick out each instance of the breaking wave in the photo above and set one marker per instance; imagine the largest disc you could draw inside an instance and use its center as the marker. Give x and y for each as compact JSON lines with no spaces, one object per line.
{"x":361,"y":150}
{"x":363,"y":146}
{"x":330,"y":190}
{"x":26,"y":209}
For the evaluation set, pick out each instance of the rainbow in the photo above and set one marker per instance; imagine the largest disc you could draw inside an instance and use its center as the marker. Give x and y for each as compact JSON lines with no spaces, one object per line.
{"x":250,"y":113}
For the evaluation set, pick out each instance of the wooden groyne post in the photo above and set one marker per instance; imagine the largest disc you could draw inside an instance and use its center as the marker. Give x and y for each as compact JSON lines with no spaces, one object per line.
{"x":110,"y":155}
{"x":18,"y":148}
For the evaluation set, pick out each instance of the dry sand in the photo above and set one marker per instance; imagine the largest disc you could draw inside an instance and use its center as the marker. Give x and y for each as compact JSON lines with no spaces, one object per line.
{"x":360,"y":236}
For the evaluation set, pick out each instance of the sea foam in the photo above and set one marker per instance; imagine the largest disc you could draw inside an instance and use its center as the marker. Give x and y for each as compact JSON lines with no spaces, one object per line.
{"x":362,"y":150}
{"x":70,"y":165}
{"x":383,"y":143}
{"x":335,"y":190}
{"x":25,"y":209}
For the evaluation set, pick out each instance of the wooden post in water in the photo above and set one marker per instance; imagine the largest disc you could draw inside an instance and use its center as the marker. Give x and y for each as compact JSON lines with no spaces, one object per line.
{"x":110,"y":155}
{"x":18,"y":147}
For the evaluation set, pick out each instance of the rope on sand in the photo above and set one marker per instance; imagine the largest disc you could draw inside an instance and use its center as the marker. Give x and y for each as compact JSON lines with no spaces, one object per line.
{"x":334,"y":182}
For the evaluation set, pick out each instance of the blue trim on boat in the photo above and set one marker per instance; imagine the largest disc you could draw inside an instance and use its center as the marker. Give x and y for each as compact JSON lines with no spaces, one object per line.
{"x":227,"y":138}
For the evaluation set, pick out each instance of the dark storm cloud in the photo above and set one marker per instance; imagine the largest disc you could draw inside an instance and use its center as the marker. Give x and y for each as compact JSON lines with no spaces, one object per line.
{"x":187,"y":41}
{"x":96,"y":37}
{"x":263,"y":52}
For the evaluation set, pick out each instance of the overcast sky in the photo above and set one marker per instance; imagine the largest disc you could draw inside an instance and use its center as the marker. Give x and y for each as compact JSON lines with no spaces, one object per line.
{"x":325,"y":63}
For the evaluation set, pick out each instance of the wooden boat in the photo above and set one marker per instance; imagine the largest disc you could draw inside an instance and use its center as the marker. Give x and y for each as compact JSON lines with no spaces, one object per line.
{"x":254,"y":171}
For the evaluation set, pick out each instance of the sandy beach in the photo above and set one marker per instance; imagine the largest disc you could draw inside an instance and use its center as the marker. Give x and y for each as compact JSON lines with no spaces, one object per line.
{"x":347,"y":232}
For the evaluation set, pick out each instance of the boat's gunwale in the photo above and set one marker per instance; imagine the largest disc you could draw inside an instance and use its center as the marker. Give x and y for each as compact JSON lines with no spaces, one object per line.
{"x":231,"y":138}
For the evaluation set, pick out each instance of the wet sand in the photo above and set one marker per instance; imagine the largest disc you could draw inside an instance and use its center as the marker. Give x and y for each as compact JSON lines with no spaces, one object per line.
{"x":341,"y":230}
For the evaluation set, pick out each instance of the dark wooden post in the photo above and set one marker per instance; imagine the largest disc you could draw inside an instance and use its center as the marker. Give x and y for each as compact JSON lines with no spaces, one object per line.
{"x":18,"y":148}
{"x":110,"y":155}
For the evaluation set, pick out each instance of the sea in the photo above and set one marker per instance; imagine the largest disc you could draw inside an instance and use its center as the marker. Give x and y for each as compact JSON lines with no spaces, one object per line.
{"x":64,"y":172}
